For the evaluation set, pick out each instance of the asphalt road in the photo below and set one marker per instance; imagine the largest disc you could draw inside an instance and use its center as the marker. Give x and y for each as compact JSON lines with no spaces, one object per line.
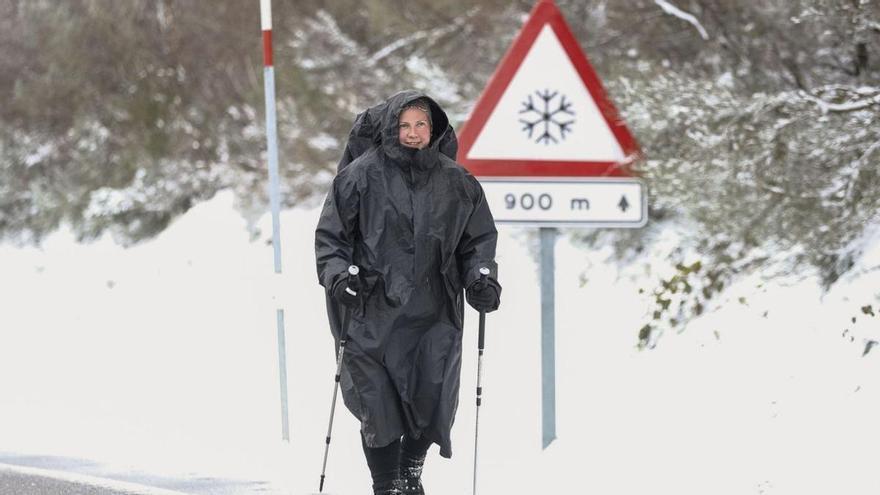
{"x":12,"y":483}
{"x":51,"y":475}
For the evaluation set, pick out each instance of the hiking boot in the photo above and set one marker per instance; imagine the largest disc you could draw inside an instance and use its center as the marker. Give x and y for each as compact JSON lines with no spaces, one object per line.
{"x":411,"y":474}
{"x":390,"y":488}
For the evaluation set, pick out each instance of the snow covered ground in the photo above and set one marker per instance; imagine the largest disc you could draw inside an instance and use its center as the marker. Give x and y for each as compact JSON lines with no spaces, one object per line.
{"x":162,"y":358}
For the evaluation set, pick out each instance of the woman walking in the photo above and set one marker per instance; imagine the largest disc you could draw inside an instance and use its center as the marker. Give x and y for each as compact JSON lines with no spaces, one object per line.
{"x":418,"y":227}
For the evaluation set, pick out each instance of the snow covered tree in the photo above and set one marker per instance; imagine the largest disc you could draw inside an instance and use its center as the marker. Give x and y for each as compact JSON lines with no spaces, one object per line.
{"x":771,"y":157}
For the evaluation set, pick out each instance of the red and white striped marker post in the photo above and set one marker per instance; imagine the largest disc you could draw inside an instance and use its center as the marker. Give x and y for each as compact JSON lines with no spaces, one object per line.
{"x":274,"y":200}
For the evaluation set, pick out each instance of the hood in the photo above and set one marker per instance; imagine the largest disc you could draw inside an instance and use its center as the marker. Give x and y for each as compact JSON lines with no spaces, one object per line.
{"x":377,"y":127}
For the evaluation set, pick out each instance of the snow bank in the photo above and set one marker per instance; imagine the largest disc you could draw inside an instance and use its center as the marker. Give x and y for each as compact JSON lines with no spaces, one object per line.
{"x":162,"y":358}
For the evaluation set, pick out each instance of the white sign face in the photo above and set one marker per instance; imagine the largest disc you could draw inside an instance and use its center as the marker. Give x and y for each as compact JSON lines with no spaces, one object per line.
{"x":546,"y":113}
{"x":580,"y":202}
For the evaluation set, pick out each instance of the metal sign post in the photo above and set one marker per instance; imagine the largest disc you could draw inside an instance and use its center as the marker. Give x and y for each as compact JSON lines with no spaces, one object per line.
{"x":274,"y":200}
{"x":548,"y":335}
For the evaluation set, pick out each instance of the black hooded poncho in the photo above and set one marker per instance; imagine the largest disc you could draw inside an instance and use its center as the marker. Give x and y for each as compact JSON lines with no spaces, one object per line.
{"x":418,"y":226}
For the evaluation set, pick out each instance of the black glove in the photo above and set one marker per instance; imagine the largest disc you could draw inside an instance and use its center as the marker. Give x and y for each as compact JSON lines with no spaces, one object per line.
{"x":484,"y":295}
{"x":347,"y":291}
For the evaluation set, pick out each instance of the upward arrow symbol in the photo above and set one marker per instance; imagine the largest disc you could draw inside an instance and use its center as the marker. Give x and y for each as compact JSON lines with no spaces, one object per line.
{"x":623,"y":204}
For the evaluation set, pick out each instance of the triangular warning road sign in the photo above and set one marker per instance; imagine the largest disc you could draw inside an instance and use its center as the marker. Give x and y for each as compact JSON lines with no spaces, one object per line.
{"x":544,"y":112}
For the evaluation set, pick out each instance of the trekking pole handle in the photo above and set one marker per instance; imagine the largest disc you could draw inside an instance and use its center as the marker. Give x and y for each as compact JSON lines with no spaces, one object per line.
{"x":484,"y":273}
{"x":353,"y":284}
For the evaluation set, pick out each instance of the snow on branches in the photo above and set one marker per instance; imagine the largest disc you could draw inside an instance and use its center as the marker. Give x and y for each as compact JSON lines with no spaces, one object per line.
{"x":779,"y":184}
{"x":689,"y":18}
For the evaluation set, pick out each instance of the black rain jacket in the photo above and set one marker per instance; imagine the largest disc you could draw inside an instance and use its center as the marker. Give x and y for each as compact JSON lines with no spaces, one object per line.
{"x":418,"y":226}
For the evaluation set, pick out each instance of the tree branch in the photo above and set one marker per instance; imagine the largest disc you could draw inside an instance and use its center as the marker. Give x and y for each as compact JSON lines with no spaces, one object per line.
{"x":826,"y":107}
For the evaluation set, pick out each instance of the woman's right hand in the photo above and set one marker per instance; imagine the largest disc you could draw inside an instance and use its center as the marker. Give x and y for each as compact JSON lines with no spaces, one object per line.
{"x":347,"y":290}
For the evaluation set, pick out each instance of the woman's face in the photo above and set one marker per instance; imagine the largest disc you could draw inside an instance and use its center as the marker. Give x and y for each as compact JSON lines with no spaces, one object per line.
{"x":415,"y":129}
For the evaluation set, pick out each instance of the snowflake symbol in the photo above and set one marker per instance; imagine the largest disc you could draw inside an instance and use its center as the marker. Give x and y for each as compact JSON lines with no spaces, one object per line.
{"x":545,"y":115}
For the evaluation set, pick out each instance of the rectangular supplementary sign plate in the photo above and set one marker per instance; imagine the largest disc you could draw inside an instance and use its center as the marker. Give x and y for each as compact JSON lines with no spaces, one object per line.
{"x":567,"y":202}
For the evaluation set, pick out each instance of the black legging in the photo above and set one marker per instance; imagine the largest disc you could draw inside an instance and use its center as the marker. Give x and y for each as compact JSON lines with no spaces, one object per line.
{"x":384,"y":462}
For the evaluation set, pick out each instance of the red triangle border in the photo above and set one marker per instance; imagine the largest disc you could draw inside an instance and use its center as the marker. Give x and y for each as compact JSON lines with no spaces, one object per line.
{"x":545,"y":12}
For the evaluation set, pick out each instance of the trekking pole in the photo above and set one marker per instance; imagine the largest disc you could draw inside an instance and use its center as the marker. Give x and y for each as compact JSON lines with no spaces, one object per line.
{"x":352,"y":288}
{"x":484,"y":272}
